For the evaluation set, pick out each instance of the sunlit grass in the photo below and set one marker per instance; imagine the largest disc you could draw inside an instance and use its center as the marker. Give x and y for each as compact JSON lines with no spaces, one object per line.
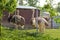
{"x":55,"y":33}
{"x":50,"y":34}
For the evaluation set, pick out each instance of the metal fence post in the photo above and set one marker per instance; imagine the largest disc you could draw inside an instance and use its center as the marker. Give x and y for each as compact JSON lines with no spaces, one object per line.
{"x":37,"y":20}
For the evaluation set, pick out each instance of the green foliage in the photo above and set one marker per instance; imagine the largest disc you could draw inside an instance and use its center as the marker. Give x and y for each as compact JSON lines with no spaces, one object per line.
{"x":48,"y":6}
{"x":57,"y":20}
{"x":20,"y":2}
{"x":8,"y":5}
{"x":11,"y":6}
{"x":2,"y":6}
{"x":32,"y":2}
{"x":1,"y":15}
{"x":58,"y":8}
{"x":49,"y":9}
{"x":53,"y":12}
{"x":8,"y":34}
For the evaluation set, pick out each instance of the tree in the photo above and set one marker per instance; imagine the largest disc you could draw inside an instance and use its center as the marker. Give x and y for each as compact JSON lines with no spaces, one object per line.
{"x":2,"y":4}
{"x":20,"y":2}
{"x":28,"y":2}
{"x":11,"y":6}
{"x":50,"y":9}
{"x":58,"y":8}
{"x":8,"y":5}
{"x":32,"y":2}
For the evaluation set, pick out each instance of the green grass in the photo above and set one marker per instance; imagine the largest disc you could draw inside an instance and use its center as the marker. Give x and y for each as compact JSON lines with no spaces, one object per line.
{"x":55,"y":33}
{"x":12,"y":34}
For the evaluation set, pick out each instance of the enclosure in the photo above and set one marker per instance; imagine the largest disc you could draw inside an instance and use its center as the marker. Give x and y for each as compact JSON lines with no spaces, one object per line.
{"x":24,"y":11}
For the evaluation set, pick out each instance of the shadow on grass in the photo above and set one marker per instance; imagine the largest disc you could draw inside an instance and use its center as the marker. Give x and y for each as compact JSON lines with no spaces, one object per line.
{"x":34,"y":34}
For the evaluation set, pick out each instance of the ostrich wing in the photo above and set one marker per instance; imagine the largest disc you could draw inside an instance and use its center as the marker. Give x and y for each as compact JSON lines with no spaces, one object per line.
{"x":45,"y":21}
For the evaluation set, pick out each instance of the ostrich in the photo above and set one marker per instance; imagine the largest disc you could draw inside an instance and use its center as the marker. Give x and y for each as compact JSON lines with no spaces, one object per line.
{"x":17,"y":20}
{"x":42,"y":22}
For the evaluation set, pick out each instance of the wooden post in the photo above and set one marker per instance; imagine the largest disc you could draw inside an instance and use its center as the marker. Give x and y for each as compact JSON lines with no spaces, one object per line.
{"x":33,"y":13}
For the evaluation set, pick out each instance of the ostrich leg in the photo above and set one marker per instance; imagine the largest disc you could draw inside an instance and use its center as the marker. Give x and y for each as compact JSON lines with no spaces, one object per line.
{"x":42,"y":27}
{"x":16,"y":26}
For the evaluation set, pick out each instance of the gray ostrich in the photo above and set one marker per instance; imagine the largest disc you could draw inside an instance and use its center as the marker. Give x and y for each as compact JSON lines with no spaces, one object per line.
{"x":42,"y":22}
{"x":17,"y":20}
